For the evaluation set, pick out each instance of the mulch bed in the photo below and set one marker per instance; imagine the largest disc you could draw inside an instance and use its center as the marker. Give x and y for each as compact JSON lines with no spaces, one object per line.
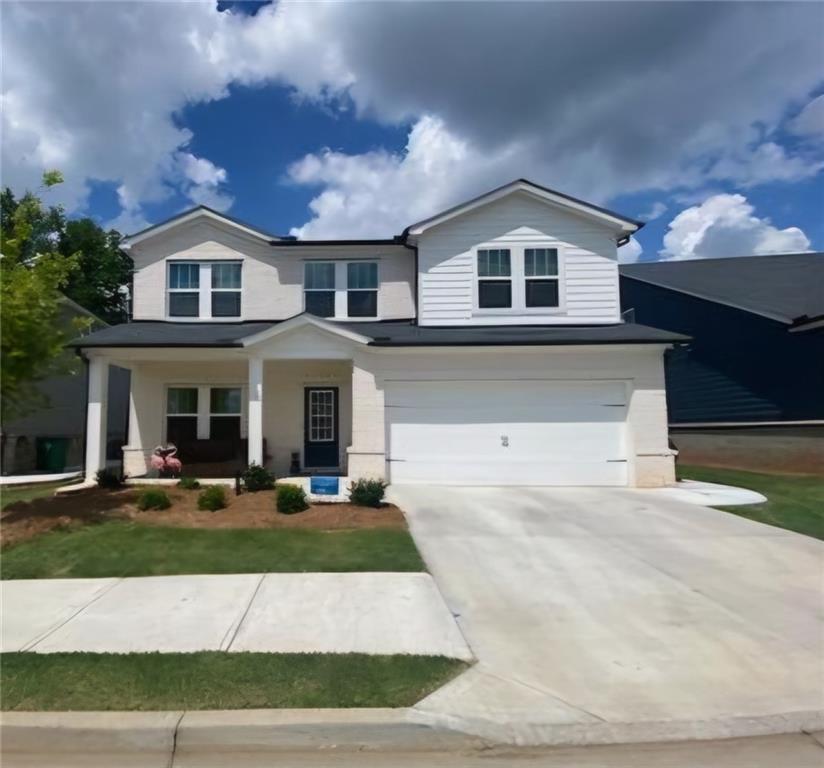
{"x":26,"y":519}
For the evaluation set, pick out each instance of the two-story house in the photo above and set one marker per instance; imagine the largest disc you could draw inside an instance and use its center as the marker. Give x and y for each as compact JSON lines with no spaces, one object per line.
{"x":483,"y":345}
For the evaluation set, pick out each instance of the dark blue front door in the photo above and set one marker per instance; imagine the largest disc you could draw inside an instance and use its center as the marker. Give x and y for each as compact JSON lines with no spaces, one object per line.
{"x":320,"y":448}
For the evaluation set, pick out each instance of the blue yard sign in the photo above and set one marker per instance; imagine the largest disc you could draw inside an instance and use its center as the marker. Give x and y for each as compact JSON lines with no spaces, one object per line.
{"x":324,"y":486}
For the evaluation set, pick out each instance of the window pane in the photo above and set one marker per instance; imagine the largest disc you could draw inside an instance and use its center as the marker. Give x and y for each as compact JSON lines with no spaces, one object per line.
{"x":224,"y":400}
{"x":362,"y":275}
{"x":542,"y":293}
{"x":181,"y":429}
{"x":181,"y":400}
{"x":493,"y":262}
{"x":226,"y":304}
{"x":319,"y":276}
{"x":362,"y":303}
{"x":184,"y":304}
{"x":540,"y":262}
{"x":320,"y":303}
{"x":184,"y":276}
{"x":495,"y":294}
{"x":225,"y":428}
{"x":225,"y":275}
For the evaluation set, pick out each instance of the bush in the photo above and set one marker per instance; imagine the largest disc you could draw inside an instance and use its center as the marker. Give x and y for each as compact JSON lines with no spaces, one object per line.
{"x":258,"y":478}
{"x":367,"y":493}
{"x":291,"y":499}
{"x":153,"y":498}
{"x":188,"y":483}
{"x":108,"y":478}
{"x":212,"y":498}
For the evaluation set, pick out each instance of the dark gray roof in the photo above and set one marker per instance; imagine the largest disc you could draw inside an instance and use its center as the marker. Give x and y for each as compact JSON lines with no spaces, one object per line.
{"x":385,"y":334}
{"x":787,"y":287}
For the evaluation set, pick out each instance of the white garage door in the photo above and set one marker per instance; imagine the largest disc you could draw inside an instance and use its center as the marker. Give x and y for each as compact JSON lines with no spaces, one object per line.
{"x":507,"y":432}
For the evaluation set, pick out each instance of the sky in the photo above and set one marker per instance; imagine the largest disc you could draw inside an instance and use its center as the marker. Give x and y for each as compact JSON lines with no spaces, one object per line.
{"x":349,"y":120}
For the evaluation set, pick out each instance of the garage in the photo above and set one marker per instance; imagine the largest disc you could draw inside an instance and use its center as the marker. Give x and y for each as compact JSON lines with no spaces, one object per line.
{"x":507,"y":432}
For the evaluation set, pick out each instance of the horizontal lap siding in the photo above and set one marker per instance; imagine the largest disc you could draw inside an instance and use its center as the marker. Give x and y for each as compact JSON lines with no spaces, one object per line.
{"x":446,"y":269}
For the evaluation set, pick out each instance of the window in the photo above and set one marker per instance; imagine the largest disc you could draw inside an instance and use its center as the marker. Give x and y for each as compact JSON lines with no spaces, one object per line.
{"x":322,"y":415}
{"x":494,"y":279}
{"x":204,"y":289}
{"x":184,"y":290}
{"x":541,"y":276}
{"x":225,"y":408}
{"x":181,"y":414}
{"x":319,"y":288}
{"x":362,"y":289}
{"x":226,"y":290}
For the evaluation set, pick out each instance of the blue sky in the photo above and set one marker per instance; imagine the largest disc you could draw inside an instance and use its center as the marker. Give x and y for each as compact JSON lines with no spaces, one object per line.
{"x":323,"y":121}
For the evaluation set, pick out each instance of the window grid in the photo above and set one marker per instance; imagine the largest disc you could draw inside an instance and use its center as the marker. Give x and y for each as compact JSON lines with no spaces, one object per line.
{"x":221,"y":293}
{"x":322,"y":416}
{"x":541,"y":285}
{"x":494,"y":278}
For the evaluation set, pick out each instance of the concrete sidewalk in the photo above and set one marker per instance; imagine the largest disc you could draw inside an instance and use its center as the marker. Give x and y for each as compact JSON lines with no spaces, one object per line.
{"x":378,"y":613}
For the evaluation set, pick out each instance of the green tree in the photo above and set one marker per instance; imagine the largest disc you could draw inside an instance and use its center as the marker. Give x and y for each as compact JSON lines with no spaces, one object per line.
{"x":32,"y":336}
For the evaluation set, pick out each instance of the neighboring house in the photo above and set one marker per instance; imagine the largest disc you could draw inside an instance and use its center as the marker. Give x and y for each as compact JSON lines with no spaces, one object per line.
{"x":49,"y":439}
{"x":483,"y":345}
{"x":749,"y":389}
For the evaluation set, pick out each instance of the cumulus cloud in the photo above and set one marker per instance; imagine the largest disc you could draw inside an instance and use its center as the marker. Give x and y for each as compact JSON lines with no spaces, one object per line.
{"x":726,"y":225}
{"x":653,"y":100}
{"x":631,"y":252}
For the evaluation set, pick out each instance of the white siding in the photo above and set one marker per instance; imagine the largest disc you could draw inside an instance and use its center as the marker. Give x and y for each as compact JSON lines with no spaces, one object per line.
{"x":272,"y":276}
{"x":589,"y":263}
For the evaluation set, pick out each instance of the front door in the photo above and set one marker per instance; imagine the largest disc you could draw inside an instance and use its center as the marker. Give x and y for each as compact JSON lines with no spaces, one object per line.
{"x":320,"y":448}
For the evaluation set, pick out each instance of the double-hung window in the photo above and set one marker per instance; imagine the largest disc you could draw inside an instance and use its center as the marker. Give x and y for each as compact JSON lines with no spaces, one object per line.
{"x":494,"y":278}
{"x":204,"y":289}
{"x":202,"y":412}
{"x":319,"y":288}
{"x":541,"y":277}
{"x":225,"y":408}
{"x":362,"y":289}
{"x":181,"y":414}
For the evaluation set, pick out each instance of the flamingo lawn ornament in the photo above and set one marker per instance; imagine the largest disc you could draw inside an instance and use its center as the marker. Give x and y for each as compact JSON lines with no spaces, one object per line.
{"x":164,"y":459}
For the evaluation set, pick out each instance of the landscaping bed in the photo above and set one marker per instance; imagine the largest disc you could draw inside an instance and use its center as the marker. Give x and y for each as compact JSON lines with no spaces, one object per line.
{"x":23,"y":520}
{"x":217,"y":680}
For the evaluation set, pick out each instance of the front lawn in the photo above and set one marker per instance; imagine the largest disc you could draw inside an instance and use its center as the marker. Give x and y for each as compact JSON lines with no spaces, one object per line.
{"x":118,"y":548}
{"x":794,"y":502}
{"x":217,"y":680}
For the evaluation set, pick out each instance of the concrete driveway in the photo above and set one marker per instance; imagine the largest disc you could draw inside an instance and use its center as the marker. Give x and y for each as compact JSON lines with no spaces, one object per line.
{"x":613,"y":614}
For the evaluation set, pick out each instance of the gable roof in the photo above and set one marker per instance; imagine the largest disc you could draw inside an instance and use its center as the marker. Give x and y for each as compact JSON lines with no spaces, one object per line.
{"x":199,"y":212}
{"x":788,"y":288}
{"x":536,"y":190}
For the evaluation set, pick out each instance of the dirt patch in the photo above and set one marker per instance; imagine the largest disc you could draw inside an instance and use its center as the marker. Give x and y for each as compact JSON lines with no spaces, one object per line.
{"x":24,"y":520}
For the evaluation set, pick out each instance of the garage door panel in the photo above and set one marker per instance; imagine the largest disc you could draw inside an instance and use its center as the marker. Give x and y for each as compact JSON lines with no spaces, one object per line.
{"x":537,"y":432}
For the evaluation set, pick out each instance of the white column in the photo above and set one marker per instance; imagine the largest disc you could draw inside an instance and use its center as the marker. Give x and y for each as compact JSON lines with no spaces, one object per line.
{"x":255,"y":429}
{"x":96,"y":416}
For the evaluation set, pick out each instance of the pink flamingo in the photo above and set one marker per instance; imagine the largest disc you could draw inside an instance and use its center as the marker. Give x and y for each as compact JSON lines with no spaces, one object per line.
{"x":164,"y":459}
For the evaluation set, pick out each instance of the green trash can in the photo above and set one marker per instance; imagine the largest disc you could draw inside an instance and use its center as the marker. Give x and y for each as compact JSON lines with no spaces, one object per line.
{"x":51,"y":453}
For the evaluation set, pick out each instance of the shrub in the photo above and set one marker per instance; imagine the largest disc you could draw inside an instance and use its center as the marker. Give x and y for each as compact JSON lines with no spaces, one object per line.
{"x":108,"y":478}
{"x":291,"y":499}
{"x":258,"y":478}
{"x":212,"y":498}
{"x":153,"y":498}
{"x":189,"y":483}
{"x":367,"y":493}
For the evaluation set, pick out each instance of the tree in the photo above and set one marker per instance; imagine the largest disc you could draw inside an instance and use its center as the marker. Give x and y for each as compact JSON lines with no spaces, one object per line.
{"x":32,"y":274}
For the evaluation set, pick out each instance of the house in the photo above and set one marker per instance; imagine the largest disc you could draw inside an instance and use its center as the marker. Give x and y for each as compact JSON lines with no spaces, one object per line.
{"x":483,"y":345}
{"x":749,"y":390}
{"x":49,"y":439}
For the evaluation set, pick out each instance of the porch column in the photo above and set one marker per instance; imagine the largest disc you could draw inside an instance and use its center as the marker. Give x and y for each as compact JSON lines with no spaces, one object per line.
{"x":96,"y":416}
{"x":255,"y":410}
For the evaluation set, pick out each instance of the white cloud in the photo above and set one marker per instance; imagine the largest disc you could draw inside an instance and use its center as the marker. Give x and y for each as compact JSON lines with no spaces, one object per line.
{"x":725,"y":225}
{"x":810,"y":121}
{"x":671,"y":109}
{"x":631,"y":252}
{"x":657,"y":210}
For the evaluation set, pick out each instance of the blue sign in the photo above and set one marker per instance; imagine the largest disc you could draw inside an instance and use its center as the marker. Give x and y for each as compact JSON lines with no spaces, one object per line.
{"x":324,"y":486}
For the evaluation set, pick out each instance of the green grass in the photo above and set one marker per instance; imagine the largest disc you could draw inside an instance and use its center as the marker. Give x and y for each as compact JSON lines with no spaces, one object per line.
{"x":794,"y":502}
{"x":217,"y":680}
{"x":129,"y":549}
{"x":11,"y":494}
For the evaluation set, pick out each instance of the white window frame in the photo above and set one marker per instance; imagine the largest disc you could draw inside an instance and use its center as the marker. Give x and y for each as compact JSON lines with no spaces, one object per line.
{"x":333,"y":289}
{"x":204,"y":291}
{"x":204,"y":407}
{"x":341,"y":287}
{"x":519,"y":278}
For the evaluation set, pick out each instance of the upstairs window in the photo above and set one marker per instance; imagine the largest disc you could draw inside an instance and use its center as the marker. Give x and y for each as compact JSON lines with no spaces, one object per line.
{"x":494,"y":278}
{"x":541,"y":277}
{"x":319,"y":288}
{"x":362,"y":289}
{"x":204,"y":290}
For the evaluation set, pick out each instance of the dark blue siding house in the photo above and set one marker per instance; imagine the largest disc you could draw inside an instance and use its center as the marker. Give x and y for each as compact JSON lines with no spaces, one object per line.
{"x":748,"y":391}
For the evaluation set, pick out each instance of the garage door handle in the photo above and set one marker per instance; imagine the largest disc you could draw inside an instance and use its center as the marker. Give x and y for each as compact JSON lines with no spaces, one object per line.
{"x":616,"y":461}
